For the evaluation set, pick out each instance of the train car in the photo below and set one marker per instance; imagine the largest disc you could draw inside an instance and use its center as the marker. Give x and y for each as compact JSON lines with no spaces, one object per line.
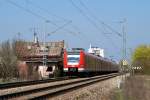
{"x":81,"y":62}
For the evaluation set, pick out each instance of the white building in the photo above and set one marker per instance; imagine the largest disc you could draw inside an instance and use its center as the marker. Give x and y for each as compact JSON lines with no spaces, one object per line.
{"x":96,"y":51}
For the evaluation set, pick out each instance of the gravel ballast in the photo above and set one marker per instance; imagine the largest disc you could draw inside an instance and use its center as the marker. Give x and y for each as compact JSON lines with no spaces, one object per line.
{"x":97,"y":91}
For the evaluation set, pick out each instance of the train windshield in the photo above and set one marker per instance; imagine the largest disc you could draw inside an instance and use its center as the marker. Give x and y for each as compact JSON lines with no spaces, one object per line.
{"x":72,"y":59}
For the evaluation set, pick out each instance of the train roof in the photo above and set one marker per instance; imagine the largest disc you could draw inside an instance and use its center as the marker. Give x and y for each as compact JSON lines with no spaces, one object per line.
{"x":101,"y":58}
{"x":77,"y":51}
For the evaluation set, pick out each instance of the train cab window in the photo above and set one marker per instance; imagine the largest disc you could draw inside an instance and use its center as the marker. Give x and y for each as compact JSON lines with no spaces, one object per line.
{"x":73,"y":58}
{"x":49,"y":69}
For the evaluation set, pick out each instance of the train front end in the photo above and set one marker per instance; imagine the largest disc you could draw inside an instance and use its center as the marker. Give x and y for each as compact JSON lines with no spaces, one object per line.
{"x":74,"y":61}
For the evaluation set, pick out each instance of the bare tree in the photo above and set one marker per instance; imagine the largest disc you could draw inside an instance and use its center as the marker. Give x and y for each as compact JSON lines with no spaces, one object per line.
{"x":8,"y":61}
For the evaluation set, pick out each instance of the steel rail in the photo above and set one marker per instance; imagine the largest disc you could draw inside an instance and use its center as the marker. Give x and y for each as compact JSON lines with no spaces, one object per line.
{"x":46,"y":91}
{"x":27,"y":83}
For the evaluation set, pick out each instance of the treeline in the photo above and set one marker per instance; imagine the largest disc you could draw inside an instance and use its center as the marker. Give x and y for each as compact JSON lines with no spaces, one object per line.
{"x":141,"y":58}
{"x":8,"y":60}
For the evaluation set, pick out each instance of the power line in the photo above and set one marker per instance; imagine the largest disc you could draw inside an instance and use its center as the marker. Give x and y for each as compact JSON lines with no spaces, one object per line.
{"x":47,"y":11}
{"x":59,"y":28}
{"x":38,"y":15}
{"x":94,"y":17}
{"x":29,"y":11}
{"x":82,"y":12}
{"x":65,"y":20}
{"x":122,"y":34}
{"x":106,"y":25}
{"x":91,"y":21}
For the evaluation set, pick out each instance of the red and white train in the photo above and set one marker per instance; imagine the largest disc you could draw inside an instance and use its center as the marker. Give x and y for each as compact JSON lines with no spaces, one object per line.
{"x":81,"y":62}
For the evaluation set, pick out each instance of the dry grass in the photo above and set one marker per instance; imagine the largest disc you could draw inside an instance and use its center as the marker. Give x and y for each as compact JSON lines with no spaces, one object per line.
{"x":134,"y":88}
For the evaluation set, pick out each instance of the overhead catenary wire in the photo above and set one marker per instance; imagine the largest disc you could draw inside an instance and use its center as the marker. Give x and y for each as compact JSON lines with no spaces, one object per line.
{"x":45,"y":19}
{"x":120,"y":34}
{"x":39,"y":16}
{"x":63,"y":19}
{"x":87,"y":17}
{"x":47,"y":11}
{"x":59,"y":28}
{"x":52,"y":14}
{"x":29,"y":11}
{"x":92,"y":22}
{"x":94,"y":17}
{"x":84,"y":14}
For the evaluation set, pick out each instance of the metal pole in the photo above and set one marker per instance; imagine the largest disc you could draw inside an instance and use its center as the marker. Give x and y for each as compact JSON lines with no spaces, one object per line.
{"x":44,"y":45}
{"x":124,"y":43}
{"x":124,"y":40}
{"x":123,"y":47}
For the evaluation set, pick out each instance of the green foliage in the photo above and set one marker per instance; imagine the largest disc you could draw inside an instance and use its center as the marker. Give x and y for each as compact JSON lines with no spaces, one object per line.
{"x":141,"y":57}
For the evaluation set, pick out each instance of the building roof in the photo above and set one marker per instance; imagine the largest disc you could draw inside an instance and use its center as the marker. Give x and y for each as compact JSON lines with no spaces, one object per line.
{"x":27,"y":49}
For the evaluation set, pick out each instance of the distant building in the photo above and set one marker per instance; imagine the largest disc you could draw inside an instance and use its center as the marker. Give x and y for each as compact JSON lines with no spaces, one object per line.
{"x":39,"y":57}
{"x":96,"y":51}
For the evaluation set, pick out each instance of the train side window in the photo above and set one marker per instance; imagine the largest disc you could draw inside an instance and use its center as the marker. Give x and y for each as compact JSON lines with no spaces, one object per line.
{"x":100,"y":65}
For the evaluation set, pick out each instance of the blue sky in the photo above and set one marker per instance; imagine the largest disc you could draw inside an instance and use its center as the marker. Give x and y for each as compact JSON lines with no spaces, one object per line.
{"x":81,"y":32}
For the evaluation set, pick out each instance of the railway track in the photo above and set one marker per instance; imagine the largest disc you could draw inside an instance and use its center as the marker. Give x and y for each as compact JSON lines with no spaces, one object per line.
{"x":53,"y":88}
{"x":27,"y":83}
